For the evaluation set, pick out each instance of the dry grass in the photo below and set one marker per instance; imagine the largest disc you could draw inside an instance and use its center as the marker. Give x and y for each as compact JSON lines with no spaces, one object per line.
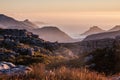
{"x":62,"y":73}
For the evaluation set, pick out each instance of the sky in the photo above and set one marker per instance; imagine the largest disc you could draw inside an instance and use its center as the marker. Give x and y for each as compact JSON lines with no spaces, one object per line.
{"x":71,"y":16}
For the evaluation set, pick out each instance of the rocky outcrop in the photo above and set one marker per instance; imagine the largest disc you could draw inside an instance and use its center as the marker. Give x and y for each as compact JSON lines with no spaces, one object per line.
{"x":21,"y":46}
{"x":8,"y":68}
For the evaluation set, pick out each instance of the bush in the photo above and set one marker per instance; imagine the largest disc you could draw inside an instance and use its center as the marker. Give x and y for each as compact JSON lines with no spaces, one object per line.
{"x":104,"y":60}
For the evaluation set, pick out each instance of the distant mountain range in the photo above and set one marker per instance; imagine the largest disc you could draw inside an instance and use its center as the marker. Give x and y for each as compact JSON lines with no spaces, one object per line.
{"x":48,"y":33}
{"x":96,"y":30}
{"x":95,"y":33}
{"x":93,"y":30}
{"x":51,"y":33}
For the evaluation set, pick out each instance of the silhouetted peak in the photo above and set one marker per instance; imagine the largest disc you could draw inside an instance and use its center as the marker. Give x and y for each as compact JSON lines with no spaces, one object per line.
{"x":94,"y":28}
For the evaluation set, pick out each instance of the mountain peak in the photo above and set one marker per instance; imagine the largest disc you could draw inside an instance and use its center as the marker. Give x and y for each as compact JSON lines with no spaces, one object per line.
{"x":94,"y":27}
{"x":52,"y":33}
{"x":93,"y":30}
{"x":116,"y":28}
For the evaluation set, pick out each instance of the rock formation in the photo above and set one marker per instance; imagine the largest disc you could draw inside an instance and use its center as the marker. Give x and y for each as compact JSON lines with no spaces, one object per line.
{"x":8,"y":68}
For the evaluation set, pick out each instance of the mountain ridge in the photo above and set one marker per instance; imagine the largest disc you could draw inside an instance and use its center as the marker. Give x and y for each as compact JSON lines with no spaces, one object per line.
{"x":104,"y":35}
{"x":49,"y":33}
{"x":9,"y":22}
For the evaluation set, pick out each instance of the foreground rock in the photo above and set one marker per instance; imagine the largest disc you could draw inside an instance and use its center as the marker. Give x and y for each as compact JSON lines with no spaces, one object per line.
{"x":8,"y":68}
